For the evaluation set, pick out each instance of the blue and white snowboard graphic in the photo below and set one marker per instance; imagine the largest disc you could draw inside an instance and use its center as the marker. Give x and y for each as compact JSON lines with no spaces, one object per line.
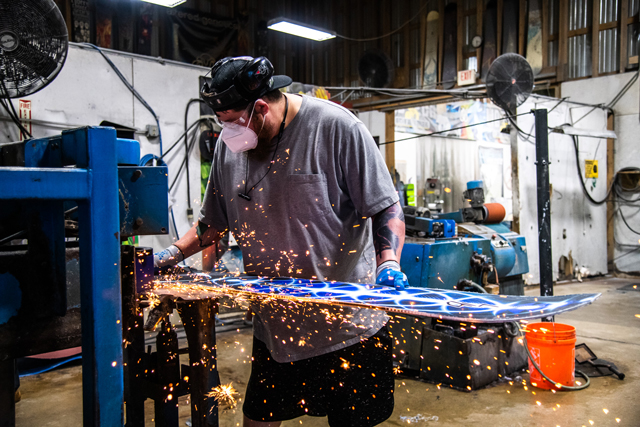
{"x":422,"y":302}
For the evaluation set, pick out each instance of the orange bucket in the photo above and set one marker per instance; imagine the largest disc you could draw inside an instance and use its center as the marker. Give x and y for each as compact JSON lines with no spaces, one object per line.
{"x":553,"y":347}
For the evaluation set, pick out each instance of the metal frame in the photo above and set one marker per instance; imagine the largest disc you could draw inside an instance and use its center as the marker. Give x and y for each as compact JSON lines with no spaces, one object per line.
{"x":93,"y":183}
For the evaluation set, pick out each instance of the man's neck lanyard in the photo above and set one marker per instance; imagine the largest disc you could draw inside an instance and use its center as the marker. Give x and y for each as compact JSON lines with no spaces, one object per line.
{"x":245,"y":194}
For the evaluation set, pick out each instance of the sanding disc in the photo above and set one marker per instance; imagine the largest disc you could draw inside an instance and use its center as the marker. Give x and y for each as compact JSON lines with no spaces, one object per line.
{"x":494,"y":213}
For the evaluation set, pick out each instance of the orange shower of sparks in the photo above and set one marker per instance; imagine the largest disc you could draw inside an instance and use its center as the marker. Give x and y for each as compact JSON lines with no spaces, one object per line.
{"x":225,"y":394}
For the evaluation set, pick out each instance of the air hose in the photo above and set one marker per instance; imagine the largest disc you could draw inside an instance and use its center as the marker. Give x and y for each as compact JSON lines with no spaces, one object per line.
{"x":518,"y":332}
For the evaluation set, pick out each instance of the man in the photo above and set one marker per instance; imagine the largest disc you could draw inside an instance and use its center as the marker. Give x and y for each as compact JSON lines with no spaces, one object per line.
{"x":296,"y":182}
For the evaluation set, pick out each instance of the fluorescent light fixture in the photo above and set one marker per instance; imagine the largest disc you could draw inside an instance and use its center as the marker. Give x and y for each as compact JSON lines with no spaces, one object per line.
{"x":166,"y":3}
{"x":289,"y":26}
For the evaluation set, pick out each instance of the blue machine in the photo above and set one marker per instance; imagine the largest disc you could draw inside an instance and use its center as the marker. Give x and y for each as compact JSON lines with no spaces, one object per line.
{"x":475,"y":254}
{"x":76,"y":171}
{"x":433,"y":258}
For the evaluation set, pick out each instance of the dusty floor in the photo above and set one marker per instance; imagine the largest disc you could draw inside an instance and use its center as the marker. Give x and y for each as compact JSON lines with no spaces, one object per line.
{"x":610,"y":326}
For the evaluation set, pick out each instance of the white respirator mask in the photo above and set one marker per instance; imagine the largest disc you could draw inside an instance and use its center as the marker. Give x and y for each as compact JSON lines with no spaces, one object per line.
{"x":238,"y":136}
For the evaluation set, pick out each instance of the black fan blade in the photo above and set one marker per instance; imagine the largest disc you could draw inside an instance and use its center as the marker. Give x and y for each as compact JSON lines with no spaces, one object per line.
{"x":509,"y":81}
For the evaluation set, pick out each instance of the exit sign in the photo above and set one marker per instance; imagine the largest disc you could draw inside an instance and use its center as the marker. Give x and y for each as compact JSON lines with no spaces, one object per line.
{"x":466,"y":77}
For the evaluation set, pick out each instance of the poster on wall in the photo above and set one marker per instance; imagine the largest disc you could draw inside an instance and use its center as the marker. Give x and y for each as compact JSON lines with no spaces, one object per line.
{"x":103,"y":31}
{"x":145,"y":29}
{"x":81,"y":28}
{"x":455,"y":116}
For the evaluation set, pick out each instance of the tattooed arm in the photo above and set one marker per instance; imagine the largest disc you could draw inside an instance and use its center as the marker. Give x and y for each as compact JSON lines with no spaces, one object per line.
{"x":388,"y":238}
{"x":388,"y":233}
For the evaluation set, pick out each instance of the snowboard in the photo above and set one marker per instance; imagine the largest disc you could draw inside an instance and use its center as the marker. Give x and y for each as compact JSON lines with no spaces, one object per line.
{"x":449,"y":62}
{"x":430,"y":75}
{"x":419,"y":302}
{"x":534,"y":36}
{"x":489,"y":42}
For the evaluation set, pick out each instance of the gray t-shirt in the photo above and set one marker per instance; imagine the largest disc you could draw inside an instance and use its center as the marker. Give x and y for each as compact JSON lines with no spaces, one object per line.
{"x":308,"y":218}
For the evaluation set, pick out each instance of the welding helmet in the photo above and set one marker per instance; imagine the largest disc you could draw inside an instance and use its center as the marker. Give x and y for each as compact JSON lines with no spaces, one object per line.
{"x":235,"y":82}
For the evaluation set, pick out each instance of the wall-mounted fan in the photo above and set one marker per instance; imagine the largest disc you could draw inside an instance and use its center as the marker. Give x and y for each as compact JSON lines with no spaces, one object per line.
{"x":375,"y":69}
{"x":33,"y":45}
{"x":509,"y":81}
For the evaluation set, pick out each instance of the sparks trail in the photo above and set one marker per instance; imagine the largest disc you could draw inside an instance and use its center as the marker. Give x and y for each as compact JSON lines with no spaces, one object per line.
{"x":422,"y":302}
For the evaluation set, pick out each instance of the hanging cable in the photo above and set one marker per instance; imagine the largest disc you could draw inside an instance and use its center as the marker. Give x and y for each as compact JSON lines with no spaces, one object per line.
{"x":189,"y":147}
{"x":632,"y":251}
{"x":389,"y":33}
{"x":449,"y":130}
{"x":132,"y":89}
{"x":624,"y":90}
{"x":558,"y":385}
{"x":186,"y":151}
{"x":151,"y":157}
{"x":626,"y":223}
{"x":584,"y":188}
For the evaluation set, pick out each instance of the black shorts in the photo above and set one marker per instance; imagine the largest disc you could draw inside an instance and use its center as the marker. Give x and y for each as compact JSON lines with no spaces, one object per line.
{"x":353,"y":386}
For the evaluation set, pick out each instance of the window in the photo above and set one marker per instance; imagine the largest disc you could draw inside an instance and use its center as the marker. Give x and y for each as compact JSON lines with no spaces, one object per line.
{"x":579,"y":58}
{"x":552,"y":40}
{"x":633,"y":31}
{"x":608,"y":43}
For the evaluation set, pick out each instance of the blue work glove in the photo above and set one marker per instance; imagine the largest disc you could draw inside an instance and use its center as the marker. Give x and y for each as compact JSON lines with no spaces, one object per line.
{"x":389,"y":274}
{"x":167,"y":258}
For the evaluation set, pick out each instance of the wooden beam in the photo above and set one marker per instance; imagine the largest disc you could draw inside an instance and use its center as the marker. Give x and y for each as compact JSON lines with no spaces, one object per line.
{"x":515,"y":180}
{"x":545,"y":33}
{"x":460,"y":36}
{"x":440,"y":38}
{"x":333,"y":47}
{"x":580,"y":31}
{"x":595,"y":39}
{"x":407,"y":44}
{"x":68,"y":18}
{"x":422,"y":46}
{"x":610,"y":205}
{"x":346,"y":75}
{"x":366,"y":103}
{"x":386,"y":26}
{"x":389,"y":135}
{"x":479,"y":18}
{"x":499,"y":28}
{"x":522,"y":35}
{"x":622,"y":34}
{"x":563,"y":27}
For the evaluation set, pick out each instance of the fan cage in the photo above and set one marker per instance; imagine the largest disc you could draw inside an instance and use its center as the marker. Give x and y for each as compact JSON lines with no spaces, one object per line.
{"x":33,"y":46}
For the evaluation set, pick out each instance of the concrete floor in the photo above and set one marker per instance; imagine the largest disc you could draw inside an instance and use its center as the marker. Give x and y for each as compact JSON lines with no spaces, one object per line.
{"x":610,"y":327}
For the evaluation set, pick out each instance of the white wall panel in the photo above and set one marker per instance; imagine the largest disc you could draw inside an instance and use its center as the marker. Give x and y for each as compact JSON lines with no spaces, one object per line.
{"x":627,"y":153}
{"x":577,"y":226}
{"x":87,"y":91}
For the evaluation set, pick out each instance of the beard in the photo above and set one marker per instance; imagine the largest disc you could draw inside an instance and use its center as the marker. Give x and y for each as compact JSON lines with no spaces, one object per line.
{"x":263,"y":150}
